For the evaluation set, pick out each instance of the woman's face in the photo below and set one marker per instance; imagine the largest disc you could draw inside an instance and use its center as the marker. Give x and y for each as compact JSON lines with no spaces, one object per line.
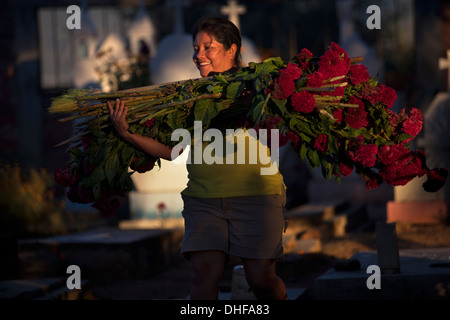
{"x":210,"y":55}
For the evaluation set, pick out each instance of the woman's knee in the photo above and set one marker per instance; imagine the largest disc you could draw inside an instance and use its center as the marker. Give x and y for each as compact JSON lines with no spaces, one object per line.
{"x":207,"y":265}
{"x":259,"y":273}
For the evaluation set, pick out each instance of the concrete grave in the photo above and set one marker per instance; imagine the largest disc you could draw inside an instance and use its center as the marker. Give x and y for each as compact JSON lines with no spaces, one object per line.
{"x":102,"y":254}
{"x":424,"y":274}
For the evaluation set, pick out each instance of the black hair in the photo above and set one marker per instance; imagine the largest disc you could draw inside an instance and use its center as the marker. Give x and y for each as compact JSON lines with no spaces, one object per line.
{"x":224,"y":31}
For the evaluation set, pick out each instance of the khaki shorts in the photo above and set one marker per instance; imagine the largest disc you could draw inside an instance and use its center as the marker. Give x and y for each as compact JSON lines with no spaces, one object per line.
{"x":244,"y":227}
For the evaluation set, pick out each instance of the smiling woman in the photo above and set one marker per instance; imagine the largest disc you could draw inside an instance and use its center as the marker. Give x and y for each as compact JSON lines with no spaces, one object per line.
{"x":217,"y":46}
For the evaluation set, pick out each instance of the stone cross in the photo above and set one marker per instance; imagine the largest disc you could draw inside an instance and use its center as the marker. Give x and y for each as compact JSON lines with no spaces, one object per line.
{"x":387,"y":247}
{"x":233,"y":10}
{"x":178,"y":4}
{"x":444,"y":64}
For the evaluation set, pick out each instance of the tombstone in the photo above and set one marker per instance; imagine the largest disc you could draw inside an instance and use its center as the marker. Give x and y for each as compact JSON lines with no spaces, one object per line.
{"x":351,"y":41}
{"x":411,"y":203}
{"x":162,"y":186}
{"x":85,"y":42}
{"x":248,"y":50}
{"x":387,"y":247}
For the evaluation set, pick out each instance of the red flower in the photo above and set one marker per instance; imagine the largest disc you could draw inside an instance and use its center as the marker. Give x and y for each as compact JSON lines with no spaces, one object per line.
{"x":283,"y":139}
{"x":149,"y":123}
{"x":335,"y":62}
{"x":161,"y":206}
{"x":79,"y":194}
{"x":394,"y":119}
{"x":367,"y":155}
{"x":436,"y":179}
{"x":107,"y":207}
{"x":142,"y":166}
{"x":389,"y":154}
{"x":356,"y":117}
{"x":303,"y":101}
{"x":291,"y":71}
{"x":294,"y":138}
{"x":287,"y":85}
{"x":321,"y":143}
{"x":388,"y":96}
{"x":337,"y":114}
{"x":383,"y":94}
{"x":358,"y":74}
{"x":373,"y":181}
{"x":345,"y":168}
{"x":337,"y":92}
{"x":405,"y":169}
{"x":66,"y":177}
{"x":302,"y":58}
{"x":413,"y":124}
{"x":315,"y":80}
{"x":364,"y":154}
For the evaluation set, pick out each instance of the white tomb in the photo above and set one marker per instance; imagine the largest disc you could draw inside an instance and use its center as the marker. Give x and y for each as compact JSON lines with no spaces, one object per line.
{"x":142,"y":29}
{"x":412,"y":203}
{"x":112,"y":59}
{"x":163,"y":186}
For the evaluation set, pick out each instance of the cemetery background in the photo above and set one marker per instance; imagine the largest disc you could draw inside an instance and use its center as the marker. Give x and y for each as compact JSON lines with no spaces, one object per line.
{"x":404,"y":54}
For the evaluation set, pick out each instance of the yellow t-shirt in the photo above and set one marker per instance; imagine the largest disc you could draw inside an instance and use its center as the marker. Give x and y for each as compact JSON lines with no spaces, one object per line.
{"x":223,"y":169}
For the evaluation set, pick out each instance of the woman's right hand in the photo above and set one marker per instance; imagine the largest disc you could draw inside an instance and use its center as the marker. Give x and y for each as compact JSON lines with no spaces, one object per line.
{"x":118,"y":114}
{"x":153,"y":147}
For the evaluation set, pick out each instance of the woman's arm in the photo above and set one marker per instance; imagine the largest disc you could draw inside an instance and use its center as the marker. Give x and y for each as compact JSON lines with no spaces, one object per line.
{"x":149,"y":145}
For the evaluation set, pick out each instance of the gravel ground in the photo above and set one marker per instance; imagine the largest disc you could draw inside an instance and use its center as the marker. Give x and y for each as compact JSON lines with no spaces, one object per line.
{"x":174,"y":281}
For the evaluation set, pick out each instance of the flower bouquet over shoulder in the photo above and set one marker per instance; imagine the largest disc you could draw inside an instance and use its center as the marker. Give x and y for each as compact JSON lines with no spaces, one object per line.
{"x":328,"y":108}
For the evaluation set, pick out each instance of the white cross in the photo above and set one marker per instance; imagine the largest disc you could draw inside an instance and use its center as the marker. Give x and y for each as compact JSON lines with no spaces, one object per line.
{"x":178,"y":4}
{"x":233,"y":10}
{"x":444,"y":64}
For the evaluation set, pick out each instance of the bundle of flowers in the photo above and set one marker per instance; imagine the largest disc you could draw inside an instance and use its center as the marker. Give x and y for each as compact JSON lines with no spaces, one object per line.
{"x":328,"y":108}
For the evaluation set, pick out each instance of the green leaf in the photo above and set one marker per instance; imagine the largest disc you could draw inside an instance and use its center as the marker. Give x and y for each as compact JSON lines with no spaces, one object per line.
{"x":313,"y":158}
{"x":112,"y":167}
{"x":97,"y":176}
{"x":215,"y":89}
{"x":276,"y":61}
{"x":268,"y":66}
{"x":234,"y":89}
{"x":211,"y":111}
{"x":332,"y":144}
{"x":326,"y":168}
{"x":200,"y":108}
{"x":126,"y":153}
{"x":172,"y":121}
{"x":303,"y":150}
{"x":259,"y":104}
{"x":97,"y":190}
{"x":206,"y":109}
{"x":221,"y":78}
{"x":402,"y":137}
{"x":125,"y":180}
{"x":76,"y":154}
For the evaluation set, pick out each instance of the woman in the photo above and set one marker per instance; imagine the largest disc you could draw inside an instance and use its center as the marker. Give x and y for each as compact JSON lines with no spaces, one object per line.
{"x":229,"y":209}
